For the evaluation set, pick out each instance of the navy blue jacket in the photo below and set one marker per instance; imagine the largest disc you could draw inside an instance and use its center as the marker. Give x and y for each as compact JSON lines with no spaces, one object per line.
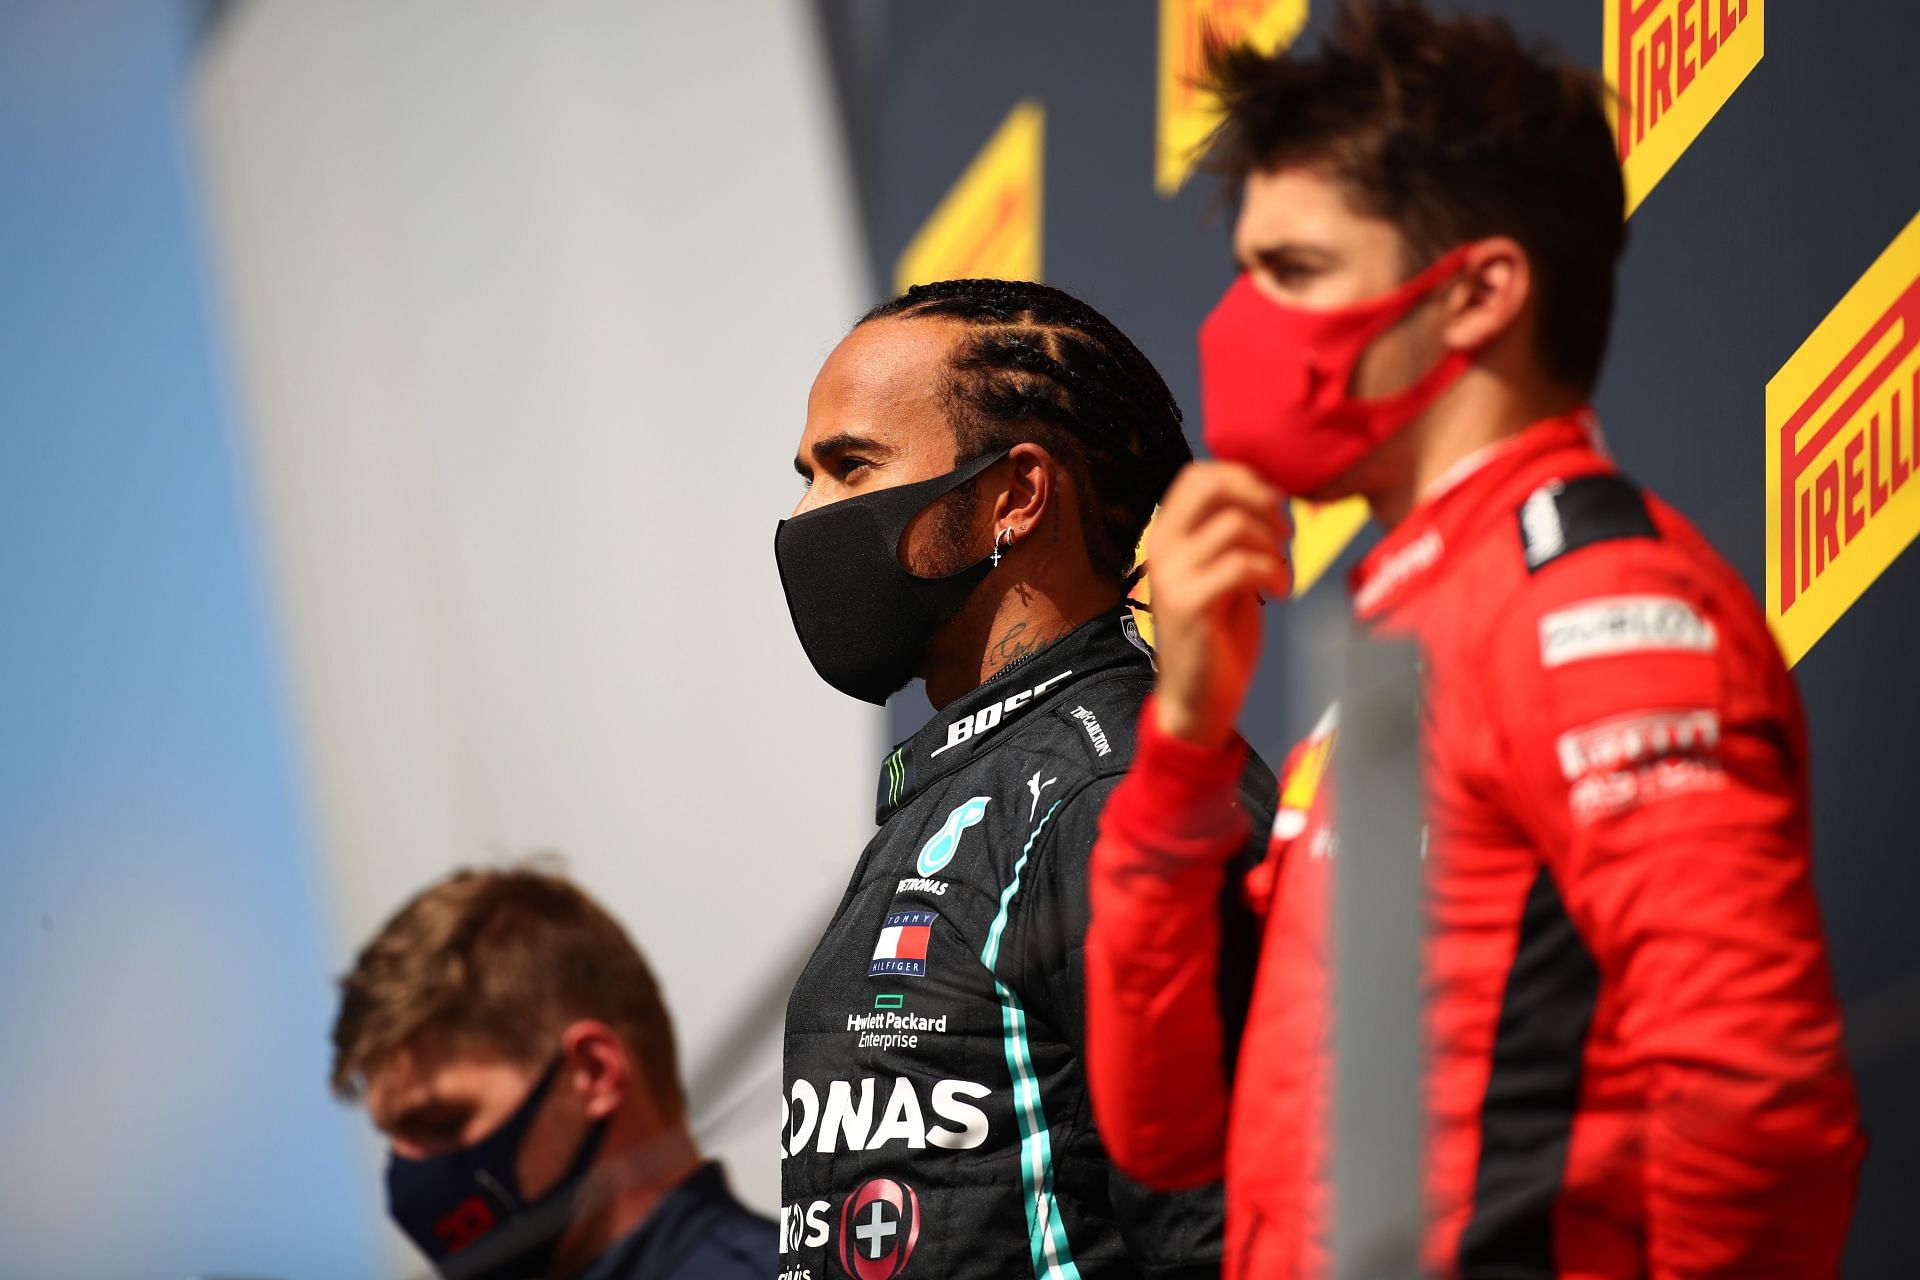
{"x":698,"y":1232}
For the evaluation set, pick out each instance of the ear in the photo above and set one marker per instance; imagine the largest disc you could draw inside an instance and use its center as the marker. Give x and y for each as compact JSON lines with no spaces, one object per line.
{"x":1030,"y":491}
{"x":597,"y":1067}
{"x":1493,"y":289}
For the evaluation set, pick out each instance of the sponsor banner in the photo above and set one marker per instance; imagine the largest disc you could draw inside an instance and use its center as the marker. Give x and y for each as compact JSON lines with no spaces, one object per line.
{"x":886,"y":1029}
{"x":1615,"y":625}
{"x":989,"y":222}
{"x":1843,"y":446}
{"x":1188,"y":114}
{"x":1321,"y":531}
{"x":1606,"y":795}
{"x":1633,"y":740}
{"x":873,"y":1112}
{"x":1672,"y":64}
{"x":988,"y":718}
{"x":922,"y":884}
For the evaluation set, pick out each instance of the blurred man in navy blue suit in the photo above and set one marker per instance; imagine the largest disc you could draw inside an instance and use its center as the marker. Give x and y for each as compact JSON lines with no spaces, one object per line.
{"x":510,"y":1041}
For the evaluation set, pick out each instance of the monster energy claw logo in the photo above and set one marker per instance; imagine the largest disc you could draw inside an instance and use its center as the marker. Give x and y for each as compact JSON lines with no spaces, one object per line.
{"x":896,"y":774}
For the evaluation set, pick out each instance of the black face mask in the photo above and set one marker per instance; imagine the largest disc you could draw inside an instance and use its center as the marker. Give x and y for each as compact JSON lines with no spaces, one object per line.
{"x":465,"y":1210}
{"x":862,"y":618}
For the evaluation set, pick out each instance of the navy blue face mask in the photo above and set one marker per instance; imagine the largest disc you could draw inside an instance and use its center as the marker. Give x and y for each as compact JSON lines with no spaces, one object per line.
{"x":465,"y":1211}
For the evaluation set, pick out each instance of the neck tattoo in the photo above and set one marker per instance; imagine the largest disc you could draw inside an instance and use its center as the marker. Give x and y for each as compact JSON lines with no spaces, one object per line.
{"x":1017,"y":642}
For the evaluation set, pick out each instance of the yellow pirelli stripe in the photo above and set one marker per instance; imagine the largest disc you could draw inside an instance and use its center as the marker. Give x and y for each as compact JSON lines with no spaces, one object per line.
{"x":1321,"y":531}
{"x":1672,"y":64}
{"x":1843,"y":450}
{"x":1188,"y":114}
{"x":990,"y":220}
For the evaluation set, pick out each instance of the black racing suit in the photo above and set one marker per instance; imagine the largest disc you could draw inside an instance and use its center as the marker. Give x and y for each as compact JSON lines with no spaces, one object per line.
{"x":937,"y":1120}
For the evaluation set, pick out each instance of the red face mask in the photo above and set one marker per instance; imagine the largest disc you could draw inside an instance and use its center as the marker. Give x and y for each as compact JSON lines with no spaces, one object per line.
{"x":1275,"y":380}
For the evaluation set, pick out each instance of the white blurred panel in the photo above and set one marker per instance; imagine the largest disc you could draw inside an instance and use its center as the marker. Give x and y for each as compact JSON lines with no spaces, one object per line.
{"x":524,"y":301}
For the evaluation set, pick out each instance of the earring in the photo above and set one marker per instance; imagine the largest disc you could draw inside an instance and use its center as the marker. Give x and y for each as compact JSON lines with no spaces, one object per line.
{"x":1005,"y":535}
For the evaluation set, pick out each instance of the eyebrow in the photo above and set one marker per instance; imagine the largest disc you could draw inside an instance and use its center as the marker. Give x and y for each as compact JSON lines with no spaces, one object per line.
{"x":1268,"y":253}
{"x":838,"y":443}
{"x":416,"y":1114}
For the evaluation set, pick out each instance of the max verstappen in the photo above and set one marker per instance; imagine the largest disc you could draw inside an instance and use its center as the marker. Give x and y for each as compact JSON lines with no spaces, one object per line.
{"x":980,"y":457}
{"x":1634,"y":1064}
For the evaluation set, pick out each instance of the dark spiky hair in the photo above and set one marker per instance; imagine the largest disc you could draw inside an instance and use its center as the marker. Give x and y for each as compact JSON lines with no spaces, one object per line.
{"x":1451,"y":129}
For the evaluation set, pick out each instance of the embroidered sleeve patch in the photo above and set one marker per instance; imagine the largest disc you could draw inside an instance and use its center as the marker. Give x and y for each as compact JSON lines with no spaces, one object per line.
{"x":1563,"y":516}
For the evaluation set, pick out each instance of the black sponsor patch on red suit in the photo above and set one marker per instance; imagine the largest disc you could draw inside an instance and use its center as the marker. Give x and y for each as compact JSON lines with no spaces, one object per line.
{"x":1565,"y":515}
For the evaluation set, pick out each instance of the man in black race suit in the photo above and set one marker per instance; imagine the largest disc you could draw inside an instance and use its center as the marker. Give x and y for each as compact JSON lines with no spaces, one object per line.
{"x":981,"y":457}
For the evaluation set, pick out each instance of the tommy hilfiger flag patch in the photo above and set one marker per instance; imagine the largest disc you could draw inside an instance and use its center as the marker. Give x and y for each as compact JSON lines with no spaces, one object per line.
{"x":902,"y":948}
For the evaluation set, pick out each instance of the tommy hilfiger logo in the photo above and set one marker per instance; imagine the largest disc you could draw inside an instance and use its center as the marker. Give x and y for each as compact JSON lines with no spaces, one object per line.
{"x":902,"y":948}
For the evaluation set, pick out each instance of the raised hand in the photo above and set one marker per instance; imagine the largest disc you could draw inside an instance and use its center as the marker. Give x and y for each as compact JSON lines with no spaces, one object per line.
{"x":1218,"y":552}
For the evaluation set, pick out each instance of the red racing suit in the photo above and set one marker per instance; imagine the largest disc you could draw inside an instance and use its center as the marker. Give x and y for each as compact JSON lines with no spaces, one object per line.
{"x":1634,"y":1058}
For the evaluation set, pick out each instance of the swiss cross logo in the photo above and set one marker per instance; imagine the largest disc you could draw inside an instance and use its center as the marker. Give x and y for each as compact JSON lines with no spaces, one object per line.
{"x":879,"y":1227}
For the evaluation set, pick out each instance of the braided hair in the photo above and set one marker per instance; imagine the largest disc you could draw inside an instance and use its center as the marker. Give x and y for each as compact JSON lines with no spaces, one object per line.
{"x":1043,"y":366}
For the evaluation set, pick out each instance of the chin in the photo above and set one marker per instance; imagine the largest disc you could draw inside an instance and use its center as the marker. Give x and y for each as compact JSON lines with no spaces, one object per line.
{"x":1335,"y":490}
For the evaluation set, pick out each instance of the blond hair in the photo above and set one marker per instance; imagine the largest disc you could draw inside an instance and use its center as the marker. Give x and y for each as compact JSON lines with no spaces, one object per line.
{"x":505,"y":960}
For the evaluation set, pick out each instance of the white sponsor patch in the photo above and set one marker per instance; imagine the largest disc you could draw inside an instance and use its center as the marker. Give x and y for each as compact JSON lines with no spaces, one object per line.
{"x":1095,"y":734}
{"x":1623,"y":624}
{"x":1605,"y":795}
{"x":1637,"y":739}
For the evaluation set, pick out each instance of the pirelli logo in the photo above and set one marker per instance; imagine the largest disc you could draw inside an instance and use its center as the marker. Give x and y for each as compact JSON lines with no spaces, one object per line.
{"x":1843,"y":449}
{"x":1672,"y":64}
{"x":1188,"y":114}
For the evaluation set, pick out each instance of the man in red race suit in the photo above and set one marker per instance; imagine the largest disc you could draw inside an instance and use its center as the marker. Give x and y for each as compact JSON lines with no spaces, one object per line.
{"x":1635,"y":1063}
